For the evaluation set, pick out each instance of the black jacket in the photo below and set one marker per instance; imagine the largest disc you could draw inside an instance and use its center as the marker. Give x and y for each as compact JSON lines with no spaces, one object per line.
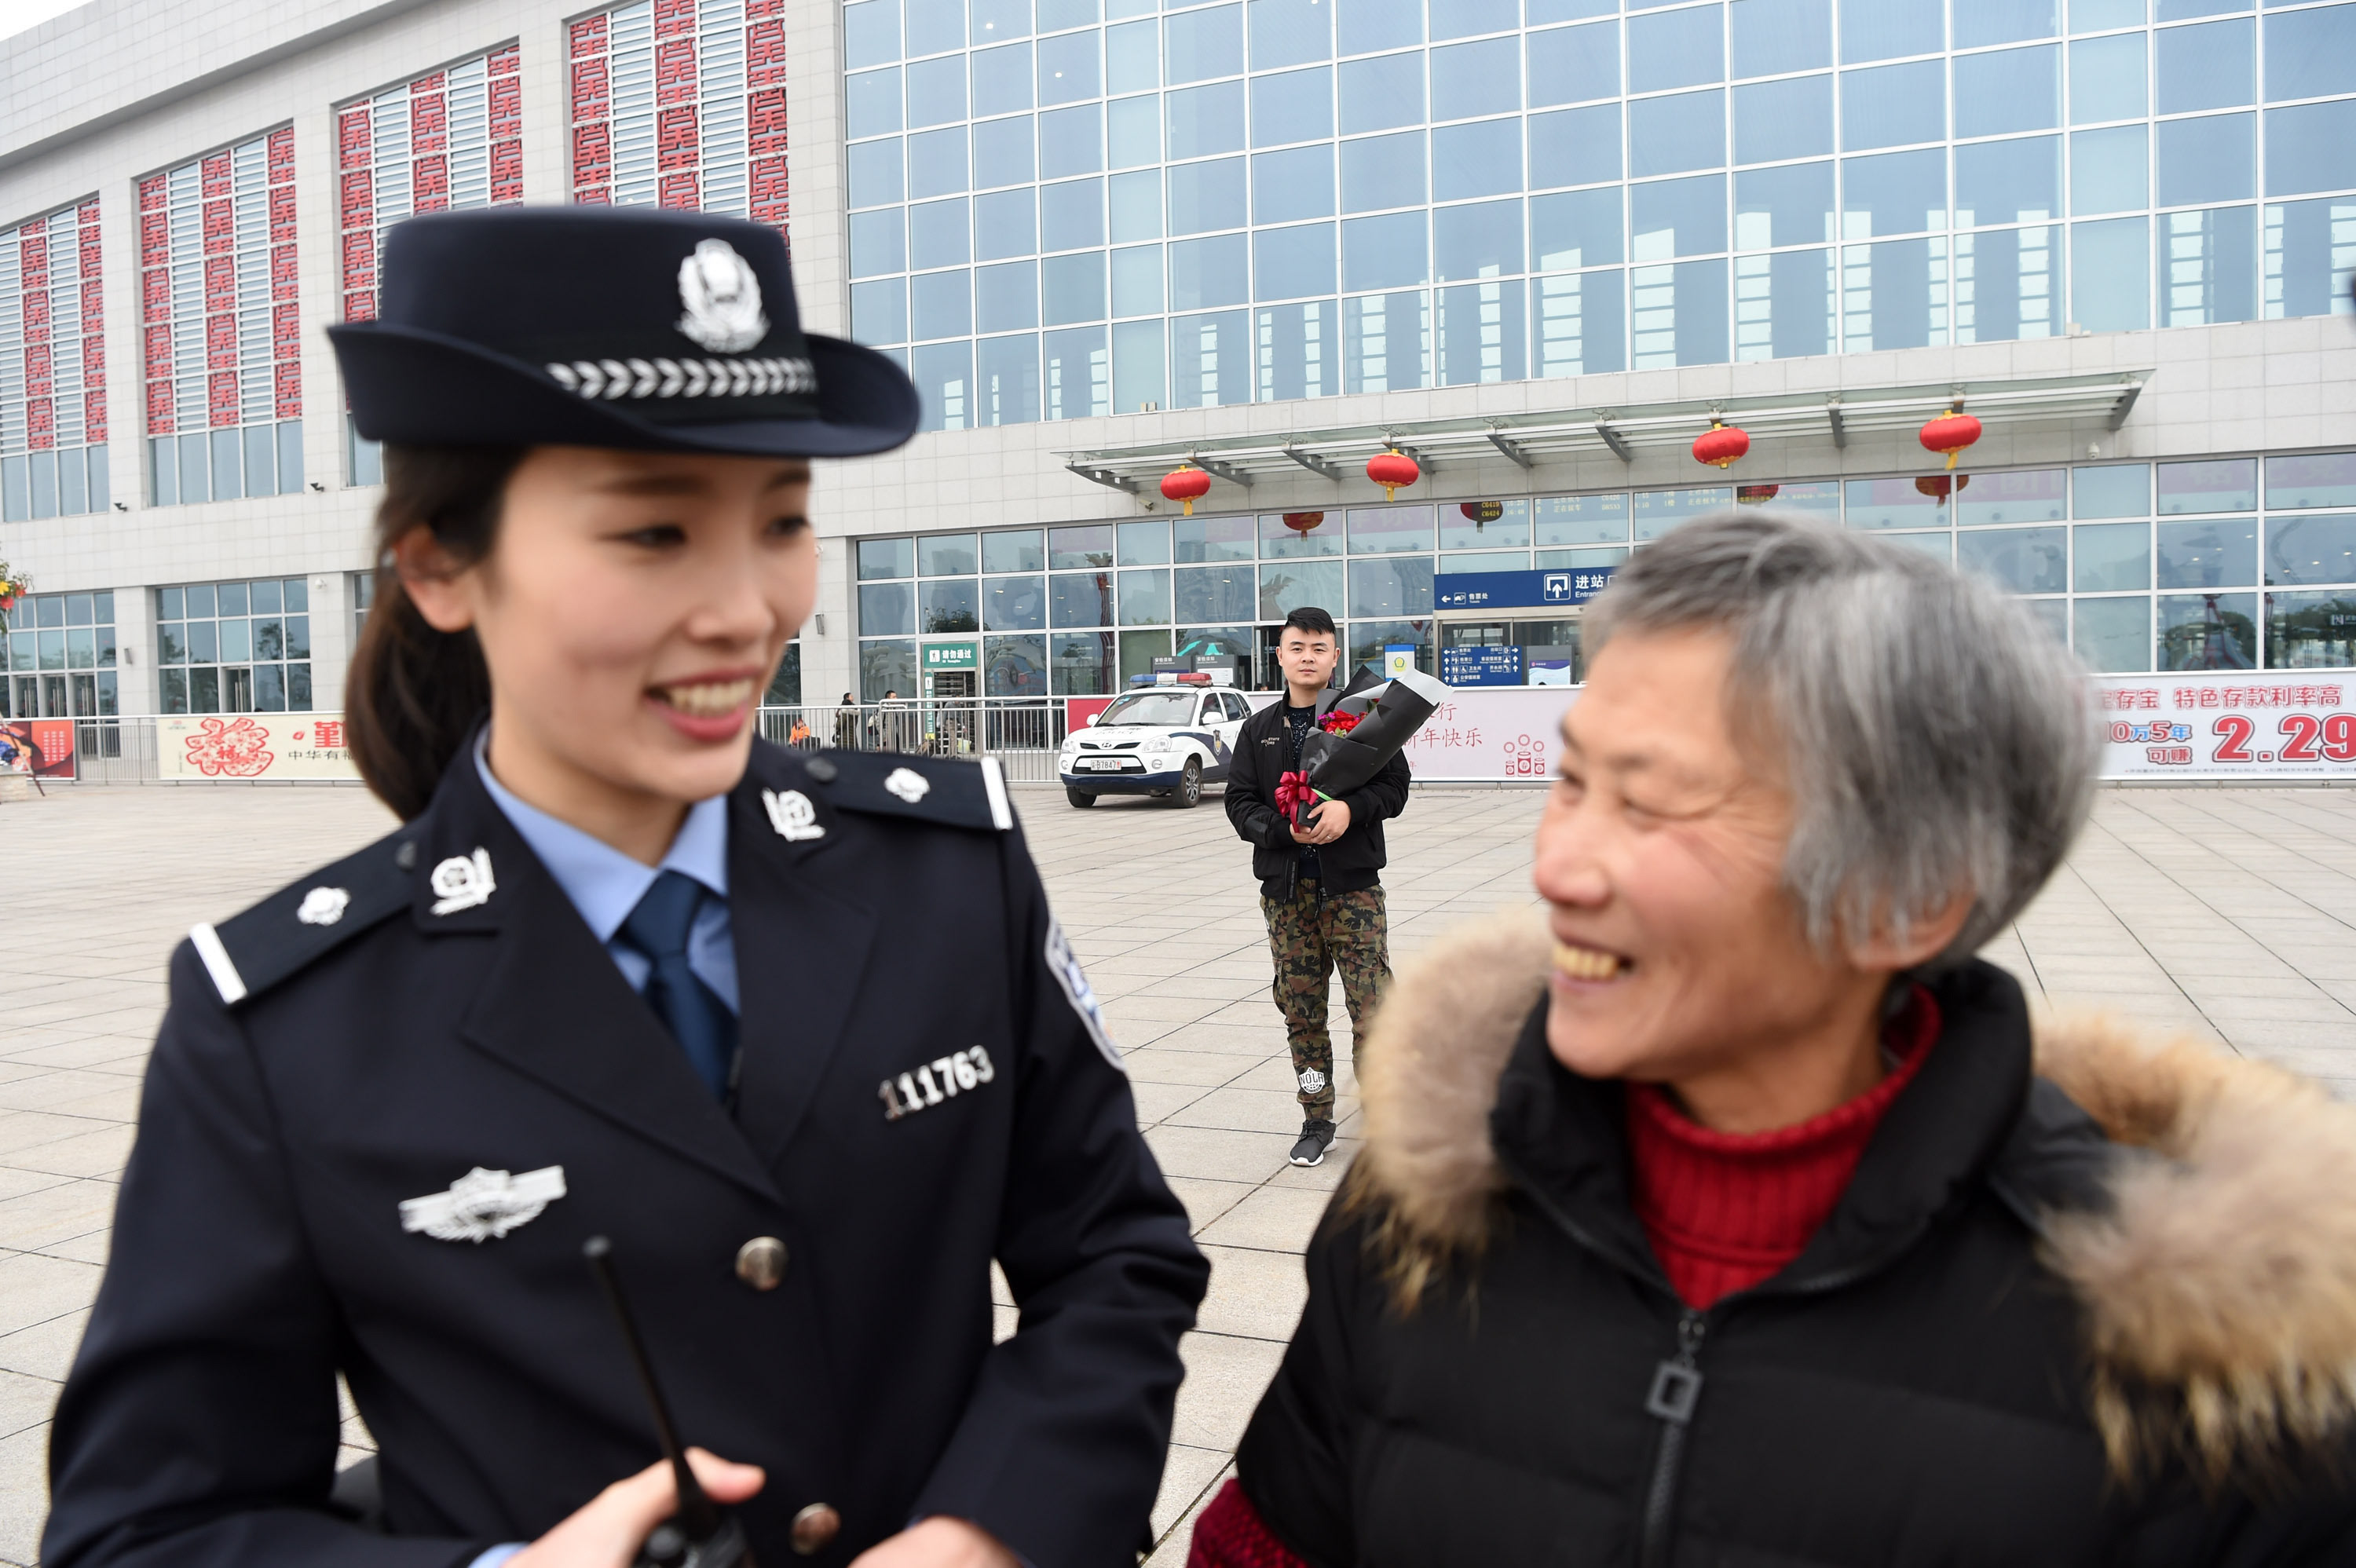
{"x":375,"y":1057}
{"x":1916,"y":1388}
{"x":1353,"y":861}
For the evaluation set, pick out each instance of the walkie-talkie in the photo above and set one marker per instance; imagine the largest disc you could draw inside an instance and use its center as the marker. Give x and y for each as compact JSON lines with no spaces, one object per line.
{"x":700,"y":1535}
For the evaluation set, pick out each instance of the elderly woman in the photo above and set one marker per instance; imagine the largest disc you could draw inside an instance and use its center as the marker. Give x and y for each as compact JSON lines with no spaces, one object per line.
{"x":1730,"y":1214}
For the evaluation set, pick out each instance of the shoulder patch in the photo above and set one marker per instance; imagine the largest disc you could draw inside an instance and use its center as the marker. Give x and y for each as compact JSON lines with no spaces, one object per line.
{"x":306,"y":920}
{"x":932,"y":789}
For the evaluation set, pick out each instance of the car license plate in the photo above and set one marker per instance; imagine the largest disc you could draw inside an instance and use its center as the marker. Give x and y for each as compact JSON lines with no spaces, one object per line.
{"x":1101,"y":764}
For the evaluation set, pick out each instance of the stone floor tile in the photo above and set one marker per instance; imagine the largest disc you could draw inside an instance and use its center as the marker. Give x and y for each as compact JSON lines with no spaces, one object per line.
{"x":34,"y":1288}
{"x":24,"y":1493}
{"x":1225,"y":1375}
{"x":1208,"y":1199}
{"x":1273,"y":1219}
{"x":47,"y":1348}
{"x":1167,"y":1064}
{"x":1189,"y":1477}
{"x":1157,"y":1102}
{"x":48,"y":1215}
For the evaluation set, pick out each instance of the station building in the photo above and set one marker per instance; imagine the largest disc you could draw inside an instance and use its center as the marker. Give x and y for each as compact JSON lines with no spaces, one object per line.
{"x":1538,"y":245}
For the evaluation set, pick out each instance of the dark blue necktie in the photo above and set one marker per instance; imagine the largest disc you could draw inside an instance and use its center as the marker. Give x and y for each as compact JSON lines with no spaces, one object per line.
{"x":699,"y":1020}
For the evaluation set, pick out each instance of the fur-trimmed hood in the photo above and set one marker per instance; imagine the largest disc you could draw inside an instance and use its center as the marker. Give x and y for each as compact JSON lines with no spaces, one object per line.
{"x":2218,"y":1285}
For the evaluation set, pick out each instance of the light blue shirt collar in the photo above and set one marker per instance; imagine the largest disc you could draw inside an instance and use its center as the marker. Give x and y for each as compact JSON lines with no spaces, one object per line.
{"x":603,"y":883}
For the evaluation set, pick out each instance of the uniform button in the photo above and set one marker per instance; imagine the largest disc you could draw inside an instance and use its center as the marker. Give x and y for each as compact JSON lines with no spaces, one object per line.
{"x":761,"y":1264}
{"x":822,"y":769}
{"x":814,"y":1527}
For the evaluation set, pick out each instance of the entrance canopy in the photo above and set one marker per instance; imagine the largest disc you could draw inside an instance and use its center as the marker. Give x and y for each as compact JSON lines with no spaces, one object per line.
{"x":1530,"y":438}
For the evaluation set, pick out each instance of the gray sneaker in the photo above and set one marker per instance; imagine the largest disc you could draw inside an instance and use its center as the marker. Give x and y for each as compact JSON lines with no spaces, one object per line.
{"x":1316,"y":1137}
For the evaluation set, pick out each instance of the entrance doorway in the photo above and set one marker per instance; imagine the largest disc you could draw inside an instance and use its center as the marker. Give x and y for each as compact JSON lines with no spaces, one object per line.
{"x":951,"y":714}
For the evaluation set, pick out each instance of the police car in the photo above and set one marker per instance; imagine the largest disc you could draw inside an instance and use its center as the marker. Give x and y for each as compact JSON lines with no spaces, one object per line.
{"x":1166,"y":740}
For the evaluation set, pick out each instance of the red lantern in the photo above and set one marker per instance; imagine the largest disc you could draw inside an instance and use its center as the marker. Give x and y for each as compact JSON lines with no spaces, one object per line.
{"x":1721,"y":444}
{"x":1479,"y":512}
{"x":1392,"y":469}
{"x":1184,"y":483}
{"x":1951,"y":433}
{"x":1303,"y":522}
{"x":1941,"y":486}
{"x":1755,"y":494}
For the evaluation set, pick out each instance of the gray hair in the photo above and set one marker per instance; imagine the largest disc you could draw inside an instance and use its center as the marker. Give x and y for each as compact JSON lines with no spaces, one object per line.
{"x":1935,"y":737}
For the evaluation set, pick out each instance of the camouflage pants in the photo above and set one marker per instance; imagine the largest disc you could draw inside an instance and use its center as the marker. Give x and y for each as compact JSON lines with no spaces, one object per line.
{"x":1311,"y":935}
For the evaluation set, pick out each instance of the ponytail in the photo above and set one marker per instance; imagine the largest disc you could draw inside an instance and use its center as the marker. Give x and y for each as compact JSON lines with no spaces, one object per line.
{"x":414,"y":694}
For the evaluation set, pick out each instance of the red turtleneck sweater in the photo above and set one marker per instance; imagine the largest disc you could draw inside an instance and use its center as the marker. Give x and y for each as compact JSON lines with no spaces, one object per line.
{"x":1725,"y":1210}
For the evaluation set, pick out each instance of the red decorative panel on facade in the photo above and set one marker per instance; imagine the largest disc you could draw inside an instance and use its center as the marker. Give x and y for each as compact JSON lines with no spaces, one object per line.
{"x":218,"y":249}
{"x":220,"y":283}
{"x":429,"y":118}
{"x":282,"y":214}
{"x":289,"y":401}
{"x":214,"y":171}
{"x":654,"y":110}
{"x":40,"y":424}
{"x":430,"y":189}
{"x":283,"y":277}
{"x":281,"y":154}
{"x":221,"y":403}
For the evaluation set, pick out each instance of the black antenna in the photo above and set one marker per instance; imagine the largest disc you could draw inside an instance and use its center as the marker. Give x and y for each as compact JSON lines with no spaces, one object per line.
{"x":700,"y":1520}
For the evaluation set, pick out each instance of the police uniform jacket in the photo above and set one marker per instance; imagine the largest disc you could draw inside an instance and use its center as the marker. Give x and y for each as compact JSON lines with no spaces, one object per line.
{"x":924,"y":1086}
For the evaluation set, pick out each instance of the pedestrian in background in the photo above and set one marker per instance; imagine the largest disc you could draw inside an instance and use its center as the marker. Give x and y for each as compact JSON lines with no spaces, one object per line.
{"x":1730,"y":1210}
{"x":846,"y":723}
{"x":1321,"y":886}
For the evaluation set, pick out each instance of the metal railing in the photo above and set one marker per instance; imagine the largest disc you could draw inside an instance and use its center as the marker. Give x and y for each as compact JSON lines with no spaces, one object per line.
{"x":1023,"y":733}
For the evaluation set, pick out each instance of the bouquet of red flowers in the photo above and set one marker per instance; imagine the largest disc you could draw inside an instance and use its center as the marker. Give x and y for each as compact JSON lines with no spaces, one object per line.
{"x":1354,"y":739}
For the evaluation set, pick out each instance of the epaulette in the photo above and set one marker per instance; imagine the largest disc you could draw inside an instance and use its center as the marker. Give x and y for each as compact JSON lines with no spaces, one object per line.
{"x":931,"y":789}
{"x":306,"y":920}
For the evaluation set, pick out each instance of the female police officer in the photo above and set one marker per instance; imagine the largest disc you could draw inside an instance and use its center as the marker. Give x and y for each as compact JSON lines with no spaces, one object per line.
{"x":795,"y":1030}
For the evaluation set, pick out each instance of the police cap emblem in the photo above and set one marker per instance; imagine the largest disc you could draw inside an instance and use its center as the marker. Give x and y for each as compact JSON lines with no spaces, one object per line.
{"x":721,"y":298}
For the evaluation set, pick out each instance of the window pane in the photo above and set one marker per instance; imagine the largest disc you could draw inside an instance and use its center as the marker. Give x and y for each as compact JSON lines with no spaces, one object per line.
{"x":1207,"y":196}
{"x":1895,"y":294}
{"x":1294,"y":534}
{"x":1482,"y":336}
{"x":1462,"y":19}
{"x":2311,"y":54}
{"x":2311,"y":549}
{"x":1385,"y":342}
{"x":1575,"y":229}
{"x":1883,"y":29}
{"x":1212,"y":539}
{"x":950,"y":604}
{"x":1006,"y":224}
{"x":879,"y":311}
{"x":1144,"y":598}
{"x":943,"y":303}
{"x":2311,"y":631}
{"x":1771,"y":37}
{"x":1067,"y":68}
{"x":1676,"y":49}
{"x":2229,"y":484}
{"x":1574,"y":65}
{"x":2327,"y":479}
{"x":886,"y":557}
{"x":1076,"y":373}
{"x":1669,"y":135}
{"x":1483,"y":158}
{"x":1299,"y":584}
{"x":1655,"y":512}
{"x":1378,"y":94}
{"x":1297,"y":106}
{"x":1215,"y":592}
{"x":2213,"y":158}
{"x":1979,"y":22}
{"x":1083,"y":665}
{"x":2124,"y":491}
{"x":2210,"y":67}
{"x":1574,"y":146}
{"x":1205,"y":120}
{"x":2024,"y":561}
{"x":1581,"y":520}
{"x":886,"y":608}
{"x":1299,"y":350}
{"x":886,"y":667}
{"x":2209,"y":266}
{"x":2106,"y":170}
{"x":2209,"y":631}
{"x":1392,"y":588}
{"x":1288,"y":32}
{"x":872,"y":102}
{"x":2110,"y":275}
{"x":1894,"y":105}
{"x":1484,"y":525}
{"x":1893,"y":503}
{"x":2012,"y":89}
{"x":2106,"y":78}
{"x":1678,"y":315}
{"x":2219,"y":552}
{"x":2006,"y":284}
{"x":1678,"y":218}
{"x":1071,"y":215}
{"x":1013,"y":604}
{"x":2112,"y":557}
{"x":1132,"y":58}
{"x":1783,"y":305}
{"x":1201,"y":44}
{"x":1578,"y":324}
{"x":1897,"y":192}
{"x":1471,"y":80}
{"x":2008,"y":182}
{"x":1786,"y":206}
{"x":2112,"y":636}
{"x":1006,"y":297}
{"x":1071,"y":142}
{"x":1789,"y":119}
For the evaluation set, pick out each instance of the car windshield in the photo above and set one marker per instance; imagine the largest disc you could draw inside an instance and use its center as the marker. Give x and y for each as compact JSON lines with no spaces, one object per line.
{"x":1151,"y":707}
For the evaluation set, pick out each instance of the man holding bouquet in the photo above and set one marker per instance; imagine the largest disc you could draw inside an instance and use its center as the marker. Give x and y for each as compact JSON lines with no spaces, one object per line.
{"x":1319,"y":860}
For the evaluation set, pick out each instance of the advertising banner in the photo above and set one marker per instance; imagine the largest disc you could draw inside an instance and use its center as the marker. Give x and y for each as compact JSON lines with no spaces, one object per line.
{"x":2275,"y":724}
{"x":1486,"y":734}
{"x":252,"y":746}
{"x":42,"y":748}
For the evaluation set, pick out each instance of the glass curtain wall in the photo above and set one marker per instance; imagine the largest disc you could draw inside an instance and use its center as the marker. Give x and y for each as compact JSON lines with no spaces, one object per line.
{"x":1063,"y":208}
{"x":235,"y":648}
{"x":60,"y":657}
{"x":52,"y":368}
{"x":2231,"y":564}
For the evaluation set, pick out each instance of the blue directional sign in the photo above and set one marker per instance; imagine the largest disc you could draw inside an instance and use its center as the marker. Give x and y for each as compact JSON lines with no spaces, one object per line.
{"x":1486,"y":665}
{"x":1520,"y":590}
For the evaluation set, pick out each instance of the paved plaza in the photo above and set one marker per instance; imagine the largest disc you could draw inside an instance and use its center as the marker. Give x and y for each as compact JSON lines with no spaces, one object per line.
{"x":2226,"y":913}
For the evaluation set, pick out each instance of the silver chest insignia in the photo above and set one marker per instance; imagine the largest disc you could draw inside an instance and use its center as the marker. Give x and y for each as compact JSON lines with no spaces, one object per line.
{"x":792,"y":814}
{"x":484,"y":1205}
{"x":721,"y":298}
{"x":908,"y":785}
{"x":323,"y":906}
{"x":463,"y":881}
